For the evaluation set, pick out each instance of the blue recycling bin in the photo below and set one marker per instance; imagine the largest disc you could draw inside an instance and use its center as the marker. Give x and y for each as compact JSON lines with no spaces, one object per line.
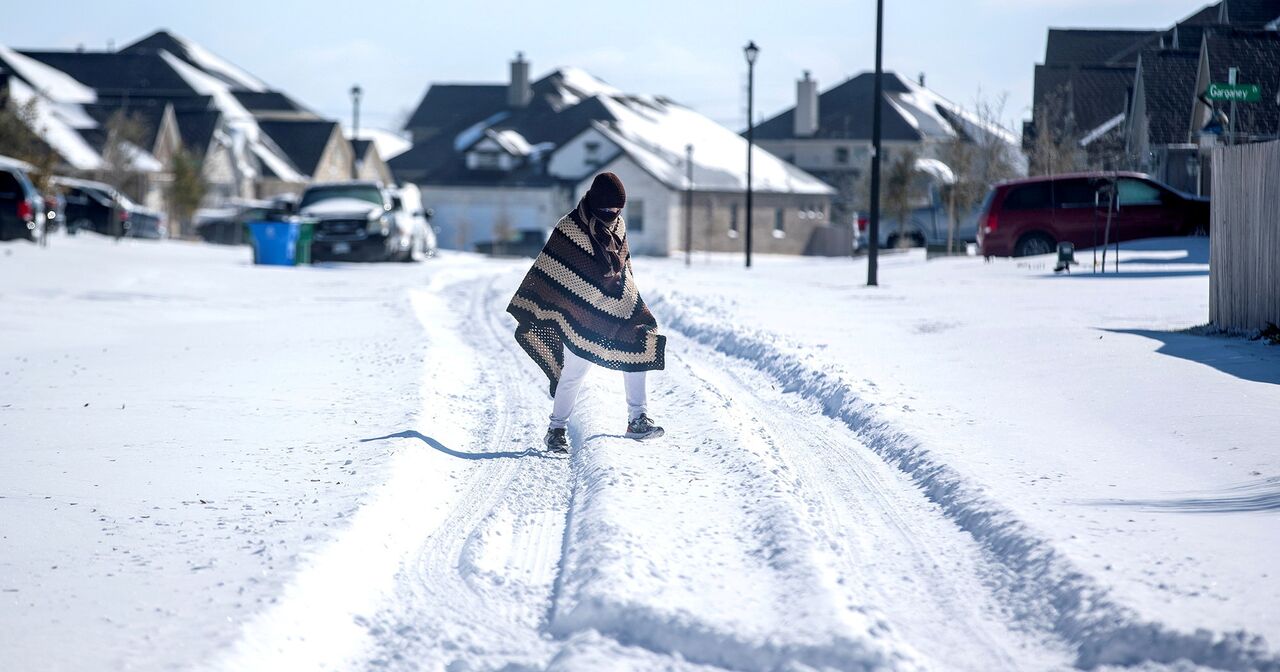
{"x":274,"y":243}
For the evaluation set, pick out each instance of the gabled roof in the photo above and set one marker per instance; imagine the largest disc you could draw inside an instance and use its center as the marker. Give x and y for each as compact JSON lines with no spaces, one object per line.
{"x":1085,"y":46}
{"x":197,"y":128}
{"x":269,"y":101}
{"x":199,"y":57}
{"x":555,"y":114}
{"x":845,"y":112}
{"x":908,"y":111}
{"x":303,"y":141}
{"x":447,"y":106}
{"x":1257,"y":56}
{"x":149,"y":118}
{"x":1251,"y":13}
{"x":652,"y":131}
{"x":1168,"y":86}
{"x":117,"y":72}
{"x":1092,"y":94}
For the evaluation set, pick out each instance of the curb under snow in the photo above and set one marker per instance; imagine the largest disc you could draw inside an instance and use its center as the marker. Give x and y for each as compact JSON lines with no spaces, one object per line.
{"x":1082,"y":613}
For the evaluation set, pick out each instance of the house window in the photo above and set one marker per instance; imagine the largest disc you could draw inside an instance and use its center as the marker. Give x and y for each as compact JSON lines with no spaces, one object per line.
{"x":779,"y":223}
{"x":733,"y":220}
{"x":635,"y":216}
{"x":592,"y":149}
{"x":487,"y":159}
{"x":842,"y":155}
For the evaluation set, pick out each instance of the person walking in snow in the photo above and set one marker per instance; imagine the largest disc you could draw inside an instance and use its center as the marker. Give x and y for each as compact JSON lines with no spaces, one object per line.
{"x":579,"y":306}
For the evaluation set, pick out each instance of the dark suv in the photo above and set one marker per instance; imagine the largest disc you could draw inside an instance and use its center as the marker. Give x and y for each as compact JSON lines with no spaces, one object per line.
{"x":1031,"y":216}
{"x":21,"y":208}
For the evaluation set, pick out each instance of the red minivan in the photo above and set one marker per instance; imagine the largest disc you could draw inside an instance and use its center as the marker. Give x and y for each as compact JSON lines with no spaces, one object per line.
{"x":1032,"y":215}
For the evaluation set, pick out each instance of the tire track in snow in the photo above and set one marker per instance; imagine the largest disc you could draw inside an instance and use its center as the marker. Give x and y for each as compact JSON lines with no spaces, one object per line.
{"x":477,"y":591}
{"x":696,"y":546}
{"x":1047,"y":587}
{"x":893,"y":548}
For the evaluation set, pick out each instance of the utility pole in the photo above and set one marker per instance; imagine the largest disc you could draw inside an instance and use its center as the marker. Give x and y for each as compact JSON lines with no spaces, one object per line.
{"x":751,"y":51}
{"x":688,"y":206}
{"x":873,"y":248}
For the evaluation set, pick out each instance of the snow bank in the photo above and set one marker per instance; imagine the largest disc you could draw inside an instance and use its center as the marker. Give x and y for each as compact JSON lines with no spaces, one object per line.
{"x":1081,"y":610}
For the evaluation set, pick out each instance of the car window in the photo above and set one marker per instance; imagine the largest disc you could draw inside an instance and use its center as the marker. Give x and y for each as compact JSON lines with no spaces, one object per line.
{"x":1075,"y":193}
{"x":10,"y":188}
{"x":1137,"y":192}
{"x":1029,"y":197}
{"x":368,"y":193}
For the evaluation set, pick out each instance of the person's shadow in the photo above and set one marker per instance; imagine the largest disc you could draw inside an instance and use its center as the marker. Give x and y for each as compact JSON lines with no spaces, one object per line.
{"x":414,"y":434}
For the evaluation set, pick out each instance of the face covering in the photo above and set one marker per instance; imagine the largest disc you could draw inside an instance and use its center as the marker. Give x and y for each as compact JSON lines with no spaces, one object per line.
{"x":606,"y":216}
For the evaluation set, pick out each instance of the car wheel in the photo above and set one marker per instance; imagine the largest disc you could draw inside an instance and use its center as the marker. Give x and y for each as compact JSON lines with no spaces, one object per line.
{"x":80,"y":225}
{"x":1033,"y":244}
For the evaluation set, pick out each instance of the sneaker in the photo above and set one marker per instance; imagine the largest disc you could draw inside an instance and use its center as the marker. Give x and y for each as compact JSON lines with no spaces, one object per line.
{"x":643,"y":428}
{"x":556,"y":441}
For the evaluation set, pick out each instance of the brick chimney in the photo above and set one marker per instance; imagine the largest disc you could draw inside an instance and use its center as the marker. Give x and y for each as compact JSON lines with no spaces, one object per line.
{"x":519,"y":92}
{"x":806,"y":115}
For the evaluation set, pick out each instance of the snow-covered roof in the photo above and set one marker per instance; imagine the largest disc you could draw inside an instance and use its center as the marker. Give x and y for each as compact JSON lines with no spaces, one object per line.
{"x":201,"y":58}
{"x":511,"y":141}
{"x":50,"y":82}
{"x":56,"y":125}
{"x":936,"y":169}
{"x":654,"y":133}
{"x":388,"y":143}
{"x":472,"y":134}
{"x":573,"y":85}
{"x":1101,"y":130}
{"x":239,"y":120}
{"x":923,"y":108}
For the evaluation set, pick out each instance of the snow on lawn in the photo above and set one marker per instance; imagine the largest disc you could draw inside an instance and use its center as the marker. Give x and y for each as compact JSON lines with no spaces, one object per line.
{"x":1127,"y":469}
{"x":177,"y":428}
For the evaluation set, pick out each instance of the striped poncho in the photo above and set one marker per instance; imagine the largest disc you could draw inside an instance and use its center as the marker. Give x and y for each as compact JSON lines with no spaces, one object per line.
{"x":572,"y":299}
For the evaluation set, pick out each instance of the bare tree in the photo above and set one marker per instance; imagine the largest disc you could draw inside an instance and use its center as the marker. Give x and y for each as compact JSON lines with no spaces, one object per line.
{"x":898,"y":190}
{"x":187,"y":189}
{"x":126,"y":134}
{"x":1055,"y":145}
{"x":978,"y":157}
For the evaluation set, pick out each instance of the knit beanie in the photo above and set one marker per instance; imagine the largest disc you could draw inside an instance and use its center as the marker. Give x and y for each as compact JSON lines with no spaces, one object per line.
{"x":606,"y":192}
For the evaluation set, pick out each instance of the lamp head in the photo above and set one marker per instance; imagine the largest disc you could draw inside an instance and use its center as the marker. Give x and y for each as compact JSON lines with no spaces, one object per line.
{"x":751,"y":50}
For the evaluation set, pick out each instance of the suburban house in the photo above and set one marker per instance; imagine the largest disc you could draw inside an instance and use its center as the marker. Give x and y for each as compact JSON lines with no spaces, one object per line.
{"x":182,"y":95}
{"x":316,"y":150}
{"x":369,"y":163}
{"x":496,"y":160}
{"x":829,"y":134}
{"x":1128,"y":98}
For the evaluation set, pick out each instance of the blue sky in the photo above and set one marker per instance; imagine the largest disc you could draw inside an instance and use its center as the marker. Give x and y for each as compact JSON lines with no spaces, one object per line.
{"x":686,"y":50}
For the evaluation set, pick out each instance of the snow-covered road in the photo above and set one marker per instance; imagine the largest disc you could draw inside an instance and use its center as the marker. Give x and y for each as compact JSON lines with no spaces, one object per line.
{"x":783,"y":523}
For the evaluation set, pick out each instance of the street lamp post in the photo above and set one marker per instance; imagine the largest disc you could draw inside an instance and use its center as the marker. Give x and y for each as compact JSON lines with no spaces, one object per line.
{"x":873,"y":233}
{"x":355,"y":128}
{"x":751,"y":51}
{"x":688,"y":206}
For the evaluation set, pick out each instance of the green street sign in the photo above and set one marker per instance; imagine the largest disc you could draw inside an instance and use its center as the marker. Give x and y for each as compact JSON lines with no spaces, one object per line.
{"x":1241,"y":93}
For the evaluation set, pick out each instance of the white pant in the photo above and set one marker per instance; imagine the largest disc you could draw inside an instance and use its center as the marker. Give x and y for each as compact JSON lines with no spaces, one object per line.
{"x":571,"y":377}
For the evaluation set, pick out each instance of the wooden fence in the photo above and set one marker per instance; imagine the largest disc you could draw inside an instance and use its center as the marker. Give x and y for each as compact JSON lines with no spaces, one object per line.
{"x":1244,"y":258}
